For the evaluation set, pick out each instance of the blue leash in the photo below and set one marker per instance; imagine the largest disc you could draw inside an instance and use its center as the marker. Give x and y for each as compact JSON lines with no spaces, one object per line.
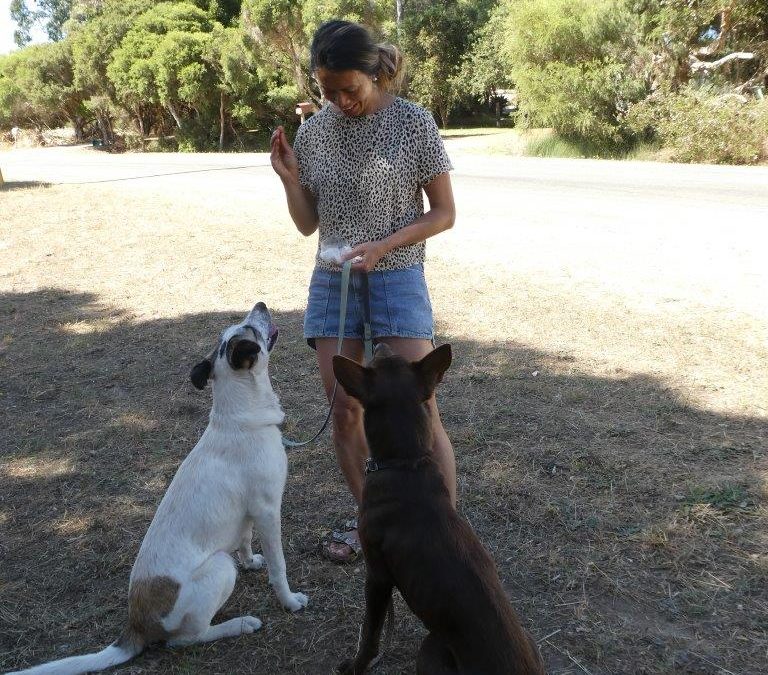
{"x":368,"y":342}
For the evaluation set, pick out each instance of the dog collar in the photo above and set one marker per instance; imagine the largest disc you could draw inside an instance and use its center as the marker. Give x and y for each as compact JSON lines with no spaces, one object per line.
{"x":372,"y":464}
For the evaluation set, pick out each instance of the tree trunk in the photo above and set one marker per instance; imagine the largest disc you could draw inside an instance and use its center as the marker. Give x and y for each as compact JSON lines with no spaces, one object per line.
{"x":140,"y":122}
{"x":233,"y":132}
{"x":443,"y":112}
{"x":298,"y":73}
{"x":172,"y":110}
{"x":105,"y":127}
{"x":222,"y":119}
{"x":79,"y":124}
{"x":726,"y":26}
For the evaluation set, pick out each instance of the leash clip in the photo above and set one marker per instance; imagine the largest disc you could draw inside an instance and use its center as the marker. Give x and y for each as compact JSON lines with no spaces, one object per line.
{"x":370,"y":465}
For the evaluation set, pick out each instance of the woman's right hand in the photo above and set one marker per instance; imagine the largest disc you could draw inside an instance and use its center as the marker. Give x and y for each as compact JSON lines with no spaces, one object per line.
{"x":283,"y":158}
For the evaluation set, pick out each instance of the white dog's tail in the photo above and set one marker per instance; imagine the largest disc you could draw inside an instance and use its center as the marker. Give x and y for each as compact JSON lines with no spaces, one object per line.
{"x":121,"y":650}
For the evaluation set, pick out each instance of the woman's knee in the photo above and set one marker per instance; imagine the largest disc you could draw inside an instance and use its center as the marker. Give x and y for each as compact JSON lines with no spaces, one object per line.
{"x":347,"y":418}
{"x":434,"y":413}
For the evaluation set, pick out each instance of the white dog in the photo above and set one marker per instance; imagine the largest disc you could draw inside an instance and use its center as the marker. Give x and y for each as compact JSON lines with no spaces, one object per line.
{"x":232,"y":481}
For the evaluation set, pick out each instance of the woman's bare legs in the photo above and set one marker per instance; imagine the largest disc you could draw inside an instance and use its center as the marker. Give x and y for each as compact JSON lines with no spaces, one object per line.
{"x":348,"y":435}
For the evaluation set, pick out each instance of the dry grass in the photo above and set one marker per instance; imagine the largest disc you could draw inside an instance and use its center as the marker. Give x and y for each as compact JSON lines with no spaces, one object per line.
{"x":612,"y":458}
{"x":492,"y":141}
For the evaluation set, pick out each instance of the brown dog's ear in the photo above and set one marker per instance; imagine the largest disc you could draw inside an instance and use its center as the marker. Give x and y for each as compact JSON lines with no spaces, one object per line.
{"x":200,"y":373}
{"x":352,"y":376}
{"x":430,"y":370}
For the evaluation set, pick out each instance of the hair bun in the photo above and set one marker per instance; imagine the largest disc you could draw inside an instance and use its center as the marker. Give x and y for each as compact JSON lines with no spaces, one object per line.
{"x":390,"y":70}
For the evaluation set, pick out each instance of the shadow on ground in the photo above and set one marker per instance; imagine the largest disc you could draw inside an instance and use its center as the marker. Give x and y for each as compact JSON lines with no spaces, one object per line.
{"x":9,"y":185}
{"x":628,"y":526}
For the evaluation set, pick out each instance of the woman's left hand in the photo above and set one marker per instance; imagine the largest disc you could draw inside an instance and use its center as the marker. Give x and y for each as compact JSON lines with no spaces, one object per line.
{"x":370,"y":253}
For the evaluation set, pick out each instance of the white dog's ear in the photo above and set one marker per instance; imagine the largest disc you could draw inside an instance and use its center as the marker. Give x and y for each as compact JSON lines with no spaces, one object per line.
{"x":353,"y":377}
{"x":200,"y":373}
{"x":430,"y":370}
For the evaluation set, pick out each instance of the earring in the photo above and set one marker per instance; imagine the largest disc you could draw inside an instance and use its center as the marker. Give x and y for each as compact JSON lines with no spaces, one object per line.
{"x":375,"y":78}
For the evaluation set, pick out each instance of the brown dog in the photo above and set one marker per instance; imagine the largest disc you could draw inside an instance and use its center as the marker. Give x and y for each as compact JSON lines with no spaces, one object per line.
{"x":415,"y":540}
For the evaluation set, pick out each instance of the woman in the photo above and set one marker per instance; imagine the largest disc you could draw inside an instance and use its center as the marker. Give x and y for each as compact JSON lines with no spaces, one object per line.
{"x":356,"y":173}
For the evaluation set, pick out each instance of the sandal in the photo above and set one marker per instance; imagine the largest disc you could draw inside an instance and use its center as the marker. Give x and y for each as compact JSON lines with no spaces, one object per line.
{"x":342,"y":547}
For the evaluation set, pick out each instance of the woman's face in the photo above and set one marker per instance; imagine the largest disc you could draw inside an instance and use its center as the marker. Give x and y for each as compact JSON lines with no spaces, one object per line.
{"x":351,"y":91}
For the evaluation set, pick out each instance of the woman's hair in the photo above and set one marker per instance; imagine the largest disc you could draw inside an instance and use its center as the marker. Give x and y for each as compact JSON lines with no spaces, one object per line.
{"x":343,"y":45}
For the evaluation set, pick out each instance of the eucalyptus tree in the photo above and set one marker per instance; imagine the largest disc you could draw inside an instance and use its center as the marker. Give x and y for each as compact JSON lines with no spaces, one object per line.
{"x":51,"y":15}
{"x":486,"y":67}
{"x":706,"y":38}
{"x":436,"y":36}
{"x":283,"y":30}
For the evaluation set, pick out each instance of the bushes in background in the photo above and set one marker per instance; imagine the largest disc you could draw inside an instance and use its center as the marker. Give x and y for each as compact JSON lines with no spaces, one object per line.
{"x":703,"y":125}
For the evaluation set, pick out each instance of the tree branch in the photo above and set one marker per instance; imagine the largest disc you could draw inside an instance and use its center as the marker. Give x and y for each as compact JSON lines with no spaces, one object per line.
{"x":699,"y":66}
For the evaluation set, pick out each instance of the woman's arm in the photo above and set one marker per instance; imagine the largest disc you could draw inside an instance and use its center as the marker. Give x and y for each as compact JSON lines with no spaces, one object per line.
{"x":301,"y":206}
{"x":301,"y":202}
{"x":440,"y":217}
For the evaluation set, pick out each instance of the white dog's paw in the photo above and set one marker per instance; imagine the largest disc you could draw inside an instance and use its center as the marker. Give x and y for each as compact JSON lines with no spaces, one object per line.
{"x":295,"y":602}
{"x":255,"y":563}
{"x":250,"y":624}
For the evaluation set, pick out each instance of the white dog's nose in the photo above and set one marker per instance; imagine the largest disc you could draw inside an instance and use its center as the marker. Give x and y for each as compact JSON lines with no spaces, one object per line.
{"x":257,"y":313}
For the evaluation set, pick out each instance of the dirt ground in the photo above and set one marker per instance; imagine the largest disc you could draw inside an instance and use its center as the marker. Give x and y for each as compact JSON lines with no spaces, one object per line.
{"x":608,"y":403}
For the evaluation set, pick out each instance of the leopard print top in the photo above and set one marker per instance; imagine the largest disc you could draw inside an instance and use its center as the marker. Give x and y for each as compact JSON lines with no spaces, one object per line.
{"x":366,"y":174}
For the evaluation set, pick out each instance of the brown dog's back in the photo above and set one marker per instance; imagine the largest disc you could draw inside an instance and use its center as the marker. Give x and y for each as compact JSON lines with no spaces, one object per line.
{"x":443,"y":572}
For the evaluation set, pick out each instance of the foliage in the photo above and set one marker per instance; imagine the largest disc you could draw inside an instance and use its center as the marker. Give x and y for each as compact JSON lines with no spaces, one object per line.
{"x":215,"y":72}
{"x":37,"y":88}
{"x":160,"y":61}
{"x":486,"y":65}
{"x":24,"y":18}
{"x":575,"y":65}
{"x":52,"y":14}
{"x":283,"y":30}
{"x":703,"y":125}
{"x":705,"y":29}
{"x":95,"y":33}
{"x":553,"y":146}
{"x":436,"y":37}
{"x":372,"y":13}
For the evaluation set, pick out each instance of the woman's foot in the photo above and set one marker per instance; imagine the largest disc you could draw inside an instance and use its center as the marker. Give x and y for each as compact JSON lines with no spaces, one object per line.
{"x":343,"y":546}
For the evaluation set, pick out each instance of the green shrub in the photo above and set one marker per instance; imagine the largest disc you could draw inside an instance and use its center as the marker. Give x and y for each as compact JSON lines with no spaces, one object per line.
{"x":554,"y":146}
{"x":575,"y":63}
{"x":703,"y":125}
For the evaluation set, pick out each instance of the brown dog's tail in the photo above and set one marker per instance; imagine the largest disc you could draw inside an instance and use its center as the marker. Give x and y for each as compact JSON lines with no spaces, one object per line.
{"x":128,"y":645}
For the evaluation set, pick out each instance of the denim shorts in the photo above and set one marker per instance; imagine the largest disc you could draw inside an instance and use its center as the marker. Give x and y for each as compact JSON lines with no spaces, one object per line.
{"x":399,"y":305}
